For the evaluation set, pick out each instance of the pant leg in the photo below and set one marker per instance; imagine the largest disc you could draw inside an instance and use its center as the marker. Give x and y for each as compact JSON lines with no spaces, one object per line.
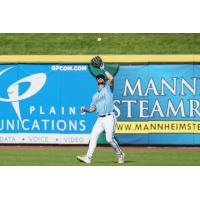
{"x":97,"y":129}
{"x":109,"y":124}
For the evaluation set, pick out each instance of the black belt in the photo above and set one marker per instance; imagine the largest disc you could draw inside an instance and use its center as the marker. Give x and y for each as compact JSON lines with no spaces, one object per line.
{"x":104,"y":115}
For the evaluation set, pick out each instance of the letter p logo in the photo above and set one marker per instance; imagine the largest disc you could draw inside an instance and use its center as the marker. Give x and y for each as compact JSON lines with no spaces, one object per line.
{"x":36,"y":81}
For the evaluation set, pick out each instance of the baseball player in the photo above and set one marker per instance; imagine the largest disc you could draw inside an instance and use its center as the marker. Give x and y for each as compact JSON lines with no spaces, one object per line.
{"x":102,"y":103}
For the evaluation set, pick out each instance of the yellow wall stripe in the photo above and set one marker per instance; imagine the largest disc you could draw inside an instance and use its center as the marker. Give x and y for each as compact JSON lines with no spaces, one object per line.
{"x":106,"y":58}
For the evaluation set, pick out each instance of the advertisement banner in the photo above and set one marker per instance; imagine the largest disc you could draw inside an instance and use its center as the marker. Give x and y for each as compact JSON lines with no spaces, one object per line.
{"x":158,"y":103}
{"x":40,"y":103}
{"x":156,"y":99}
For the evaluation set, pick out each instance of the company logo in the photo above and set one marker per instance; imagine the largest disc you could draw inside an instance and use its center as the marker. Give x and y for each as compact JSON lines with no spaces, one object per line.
{"x":65,"y":68}
{"x":36,"y":81}
{"x":112,"y":68}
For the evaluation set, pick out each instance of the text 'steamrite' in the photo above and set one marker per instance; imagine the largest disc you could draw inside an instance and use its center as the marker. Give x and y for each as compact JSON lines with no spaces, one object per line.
{"x":102,"y":103}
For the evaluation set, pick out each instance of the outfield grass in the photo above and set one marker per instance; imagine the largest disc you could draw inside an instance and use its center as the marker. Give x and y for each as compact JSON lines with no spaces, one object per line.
{"x":110,"y":44}
{"x":67,"y":157}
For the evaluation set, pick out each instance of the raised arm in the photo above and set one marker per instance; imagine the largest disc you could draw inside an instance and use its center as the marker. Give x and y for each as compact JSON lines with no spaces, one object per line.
{"x":97,"y":62}
{"x":108,"y":75}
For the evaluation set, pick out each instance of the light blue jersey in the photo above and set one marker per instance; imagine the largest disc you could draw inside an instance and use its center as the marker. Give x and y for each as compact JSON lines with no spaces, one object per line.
{"x":103,"y":100}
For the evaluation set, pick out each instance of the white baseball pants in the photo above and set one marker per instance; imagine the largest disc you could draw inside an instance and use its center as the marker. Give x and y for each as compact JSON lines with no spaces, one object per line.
{"x":107,"y":124}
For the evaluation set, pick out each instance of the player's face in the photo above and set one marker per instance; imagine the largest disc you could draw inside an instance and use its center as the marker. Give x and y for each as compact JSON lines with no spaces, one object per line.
{"x":100,"y":81}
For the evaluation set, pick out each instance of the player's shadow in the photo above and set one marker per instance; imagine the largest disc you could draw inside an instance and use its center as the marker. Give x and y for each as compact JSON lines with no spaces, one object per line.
{"x":127,"y":161}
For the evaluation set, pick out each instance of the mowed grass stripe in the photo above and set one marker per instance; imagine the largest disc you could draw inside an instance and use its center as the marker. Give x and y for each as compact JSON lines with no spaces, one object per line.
{"x":67,"y":157}
{"x":112,"y":43}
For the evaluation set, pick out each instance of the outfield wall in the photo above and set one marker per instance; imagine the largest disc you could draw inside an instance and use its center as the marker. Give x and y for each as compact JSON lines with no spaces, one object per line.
{"x":156,"y":99}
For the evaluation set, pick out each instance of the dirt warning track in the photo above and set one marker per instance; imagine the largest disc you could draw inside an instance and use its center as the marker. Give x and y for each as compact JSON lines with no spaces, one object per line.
{"x":181,"y":148}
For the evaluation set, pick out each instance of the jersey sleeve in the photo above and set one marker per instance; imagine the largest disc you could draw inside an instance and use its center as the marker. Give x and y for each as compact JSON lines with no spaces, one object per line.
{"x":109,"y":87}
{"x":93,"y":103}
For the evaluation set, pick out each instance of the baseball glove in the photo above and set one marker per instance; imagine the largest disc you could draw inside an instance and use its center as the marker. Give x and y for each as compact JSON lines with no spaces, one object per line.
{"x":97,"y":62}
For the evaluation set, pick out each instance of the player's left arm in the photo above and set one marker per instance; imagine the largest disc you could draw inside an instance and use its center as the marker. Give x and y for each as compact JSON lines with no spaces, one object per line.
{"x":97,"y":62}
{"x":108,"y":75}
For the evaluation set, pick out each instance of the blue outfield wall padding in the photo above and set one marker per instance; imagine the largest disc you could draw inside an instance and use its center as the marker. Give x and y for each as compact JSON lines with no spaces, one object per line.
{"x":127,"y":139}
{"x":156,"y":139}
{"x":171,"y":139}
{"x":155,"y":103}
{"x":196,"y":139}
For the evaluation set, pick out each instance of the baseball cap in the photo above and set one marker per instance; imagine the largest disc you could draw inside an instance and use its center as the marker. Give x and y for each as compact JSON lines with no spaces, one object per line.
{"x":100,"y":76}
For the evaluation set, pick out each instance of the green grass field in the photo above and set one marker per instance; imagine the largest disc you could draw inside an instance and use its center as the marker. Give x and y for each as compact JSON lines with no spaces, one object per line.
{"x":67,"y":157}
{"x":111,"y":44}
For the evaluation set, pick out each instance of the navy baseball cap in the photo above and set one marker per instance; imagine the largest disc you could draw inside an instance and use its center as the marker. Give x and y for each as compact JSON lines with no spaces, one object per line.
{"x":100,"y":76}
